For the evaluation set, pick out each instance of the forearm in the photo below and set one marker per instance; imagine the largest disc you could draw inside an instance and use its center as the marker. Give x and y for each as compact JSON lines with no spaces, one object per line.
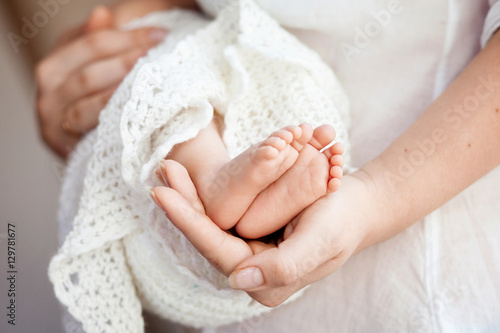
{"x":453,"y":144}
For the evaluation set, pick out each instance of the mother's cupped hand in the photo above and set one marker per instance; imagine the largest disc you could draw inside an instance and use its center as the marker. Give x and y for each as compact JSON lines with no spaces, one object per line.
{"x":77,"y":79}
{"x":314,"y":244}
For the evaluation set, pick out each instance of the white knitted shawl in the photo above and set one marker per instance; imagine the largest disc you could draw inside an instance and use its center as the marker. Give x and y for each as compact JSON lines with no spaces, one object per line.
{"x":122,"y":253}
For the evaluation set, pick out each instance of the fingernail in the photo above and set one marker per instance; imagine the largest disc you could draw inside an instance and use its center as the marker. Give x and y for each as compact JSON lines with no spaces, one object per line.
{"x":153,"y":196}
{"x":158,"y":35}
{"x":247,"y":278}
{"x":161,"y":173}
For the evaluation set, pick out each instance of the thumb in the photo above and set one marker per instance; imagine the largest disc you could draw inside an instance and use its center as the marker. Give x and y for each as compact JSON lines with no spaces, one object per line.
{"x":286,"y":265}
{"x":100,"y":18}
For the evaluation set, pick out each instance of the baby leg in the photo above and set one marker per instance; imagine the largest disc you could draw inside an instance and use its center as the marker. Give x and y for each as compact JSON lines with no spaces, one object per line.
{"x":313,"y":175}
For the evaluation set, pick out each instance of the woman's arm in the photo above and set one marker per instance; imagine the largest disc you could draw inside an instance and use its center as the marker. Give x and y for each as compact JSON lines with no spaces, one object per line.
{"x":454,"y":143}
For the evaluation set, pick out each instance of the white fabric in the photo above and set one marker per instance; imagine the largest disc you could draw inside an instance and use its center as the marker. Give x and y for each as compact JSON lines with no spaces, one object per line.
{"x":443,"y":273}
{"x":122,"y":254}
{"x":492,"y":22}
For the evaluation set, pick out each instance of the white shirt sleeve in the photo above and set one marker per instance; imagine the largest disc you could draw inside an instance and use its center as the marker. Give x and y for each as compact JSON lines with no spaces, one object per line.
{"x":492,"y":22}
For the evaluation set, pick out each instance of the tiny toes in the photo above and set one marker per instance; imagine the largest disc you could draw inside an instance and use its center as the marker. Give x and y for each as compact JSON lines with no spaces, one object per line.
{"x":336,"y":172}
{"x":337,"y":149}
{"x":337,"y":160}
{"x":268,"y":152}
{"x":322,"y":136}
{"x":306,"y":132}
{"x":295,"y":130}
{"x":275,"y":142}
{"x":284,"y":134}
{"x":333,"y":184}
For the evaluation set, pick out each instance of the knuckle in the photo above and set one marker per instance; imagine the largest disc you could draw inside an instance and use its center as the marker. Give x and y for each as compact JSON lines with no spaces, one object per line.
{"x":75,"y":113}
{"x":97,"y":42}
{"x":285,"y":271}
{"x":84,"y":79}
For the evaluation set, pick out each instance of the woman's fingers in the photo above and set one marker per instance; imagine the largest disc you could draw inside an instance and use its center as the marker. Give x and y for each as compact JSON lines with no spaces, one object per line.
{"x":278,"y":267}
{"x":274,"y":296}
{"x":88,"y":91}
{"x":83,"y":115}
{"x":182,"y":206}
{"x":92,"y":47}
{"x":301,"y":253}
{"x":60,"y":141}
{"x":98,"y":76}
{"x":74,"y":81}
{"x":221,"y":249}
{"x":175,"y":176}
{"x":100,"y":18}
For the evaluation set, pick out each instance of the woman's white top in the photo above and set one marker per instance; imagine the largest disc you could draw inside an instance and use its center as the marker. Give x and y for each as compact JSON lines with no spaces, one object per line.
{"x":393,"y":59}
{"x":122,"y":255}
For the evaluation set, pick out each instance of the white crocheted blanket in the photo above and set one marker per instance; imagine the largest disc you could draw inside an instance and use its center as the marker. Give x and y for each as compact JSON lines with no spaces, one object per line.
{"x":122,"y":254}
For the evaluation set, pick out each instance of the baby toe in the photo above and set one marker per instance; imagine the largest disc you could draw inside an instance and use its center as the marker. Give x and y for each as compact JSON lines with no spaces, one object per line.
{"x":275,"y":142}
{"x":284,"y":135}
{"x":304,"y":138}
{"x":337,"y":160}
{"x":333,"y":185}
{"x":336,"y":172}
{"x":295,"y":130}
{"x":322,"y":136}
{"x":337,"y":148}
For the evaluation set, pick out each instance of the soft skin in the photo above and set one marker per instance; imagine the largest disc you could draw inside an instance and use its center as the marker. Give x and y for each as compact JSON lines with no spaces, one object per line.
{"x":261,"y":181}
{"x":372,"y":205}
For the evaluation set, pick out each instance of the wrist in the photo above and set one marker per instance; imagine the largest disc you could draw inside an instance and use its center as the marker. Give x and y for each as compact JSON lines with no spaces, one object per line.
{"x":376,"y":205}
{"x":386,"y":203}
{"x":352,"y":213}
{"x":368,"y":208}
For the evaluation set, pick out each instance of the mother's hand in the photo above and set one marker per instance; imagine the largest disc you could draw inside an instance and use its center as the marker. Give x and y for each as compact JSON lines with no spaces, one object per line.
{"x":314,"y":244}
{"x":76,"y":81}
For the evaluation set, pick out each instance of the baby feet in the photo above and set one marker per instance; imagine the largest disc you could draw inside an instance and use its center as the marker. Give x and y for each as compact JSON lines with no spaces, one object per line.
{"x":313,"y":175}
{"x":266,"y":186}
{"x":232,"y":188}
